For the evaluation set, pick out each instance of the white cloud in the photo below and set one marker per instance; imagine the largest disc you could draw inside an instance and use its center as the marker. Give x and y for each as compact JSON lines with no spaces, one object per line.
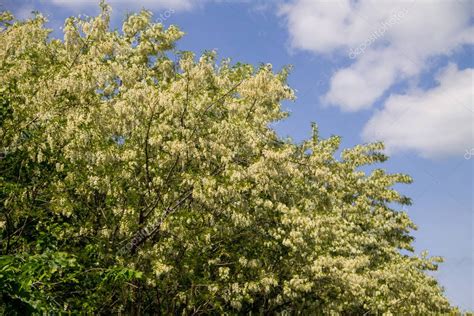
{"x":389,"y":40}
{"x":437,"y":122}
{"x":358,"y":86}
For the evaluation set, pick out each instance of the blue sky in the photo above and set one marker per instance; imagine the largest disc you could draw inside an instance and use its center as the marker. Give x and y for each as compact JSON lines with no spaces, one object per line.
{"x":397,"y":71}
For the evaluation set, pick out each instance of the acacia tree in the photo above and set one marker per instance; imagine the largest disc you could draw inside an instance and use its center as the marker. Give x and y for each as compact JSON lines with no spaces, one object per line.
{"x":142,"y":180}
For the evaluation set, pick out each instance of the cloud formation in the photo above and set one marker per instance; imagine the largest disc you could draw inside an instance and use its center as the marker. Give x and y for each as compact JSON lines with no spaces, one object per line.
{"x":437,"y":122}
{"x":389,"y":41}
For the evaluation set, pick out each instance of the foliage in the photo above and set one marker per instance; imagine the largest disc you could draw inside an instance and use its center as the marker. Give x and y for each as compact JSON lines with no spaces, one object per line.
{"x":142,"y":180}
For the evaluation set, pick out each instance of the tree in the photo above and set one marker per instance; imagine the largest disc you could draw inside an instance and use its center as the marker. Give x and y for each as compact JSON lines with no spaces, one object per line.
{"x":140,"y":180}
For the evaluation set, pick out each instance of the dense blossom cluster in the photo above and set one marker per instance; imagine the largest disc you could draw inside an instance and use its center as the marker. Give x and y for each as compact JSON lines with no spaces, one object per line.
{"x":108,"y":132}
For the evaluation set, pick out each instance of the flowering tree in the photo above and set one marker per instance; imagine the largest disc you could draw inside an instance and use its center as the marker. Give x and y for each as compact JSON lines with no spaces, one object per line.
{"x":142,"y":180}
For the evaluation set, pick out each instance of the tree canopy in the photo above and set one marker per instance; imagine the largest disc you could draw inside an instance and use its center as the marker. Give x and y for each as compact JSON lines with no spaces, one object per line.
{"x":139,"y":179}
